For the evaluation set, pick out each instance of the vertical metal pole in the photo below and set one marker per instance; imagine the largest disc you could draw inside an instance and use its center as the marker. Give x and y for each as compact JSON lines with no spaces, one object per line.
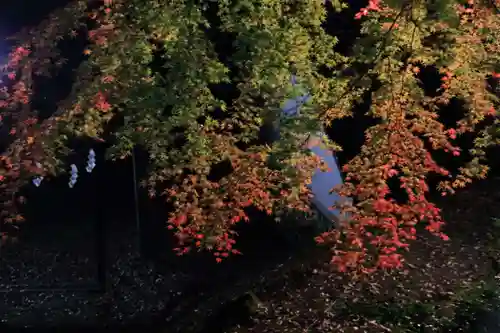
{"x":1,"y":238}
{"x":136,"y":196}
{"x":136,"y":202}
{"x":101,"y":237}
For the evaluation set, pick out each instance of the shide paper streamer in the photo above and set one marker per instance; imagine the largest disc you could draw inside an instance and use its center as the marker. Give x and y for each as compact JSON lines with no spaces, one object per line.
{"x":322,"y":181}
{"x":73,"y":171}
{"x":74,"y":176}
{"x":38,"y":180}
{"x":90,"y":161}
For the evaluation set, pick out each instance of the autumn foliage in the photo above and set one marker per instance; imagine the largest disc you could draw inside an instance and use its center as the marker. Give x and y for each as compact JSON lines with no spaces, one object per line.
{"x":173,"y":111}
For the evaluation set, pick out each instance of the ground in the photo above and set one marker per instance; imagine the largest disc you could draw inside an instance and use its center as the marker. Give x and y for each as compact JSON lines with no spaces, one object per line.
{"x":443,"y":288}
{"x":442,"y":284}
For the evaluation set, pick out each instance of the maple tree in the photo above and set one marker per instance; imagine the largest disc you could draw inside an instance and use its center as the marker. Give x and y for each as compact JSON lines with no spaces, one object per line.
{"x":155,"y":64}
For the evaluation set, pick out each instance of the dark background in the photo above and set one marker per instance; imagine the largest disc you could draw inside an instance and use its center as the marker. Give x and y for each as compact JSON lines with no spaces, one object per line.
{"x":82,"y":258}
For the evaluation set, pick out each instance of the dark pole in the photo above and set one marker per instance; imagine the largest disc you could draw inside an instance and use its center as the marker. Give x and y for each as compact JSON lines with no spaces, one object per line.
{"x":1,"y":238}
{"x":101,"y":233}
{"x":101,"y":227}
{"x":136,"y":202}
{"x":101,"y":250}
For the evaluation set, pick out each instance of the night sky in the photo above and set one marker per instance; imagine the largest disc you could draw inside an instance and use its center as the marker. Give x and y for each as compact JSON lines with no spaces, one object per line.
{"x":17,"y":14}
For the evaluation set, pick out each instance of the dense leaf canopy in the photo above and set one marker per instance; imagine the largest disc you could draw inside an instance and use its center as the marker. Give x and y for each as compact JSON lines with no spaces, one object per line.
{"x":194,"y":81}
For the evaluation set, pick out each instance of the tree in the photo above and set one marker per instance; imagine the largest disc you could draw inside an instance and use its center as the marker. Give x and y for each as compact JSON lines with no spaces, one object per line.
{"x":400,"y":38}
{"x":157,"y":65}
